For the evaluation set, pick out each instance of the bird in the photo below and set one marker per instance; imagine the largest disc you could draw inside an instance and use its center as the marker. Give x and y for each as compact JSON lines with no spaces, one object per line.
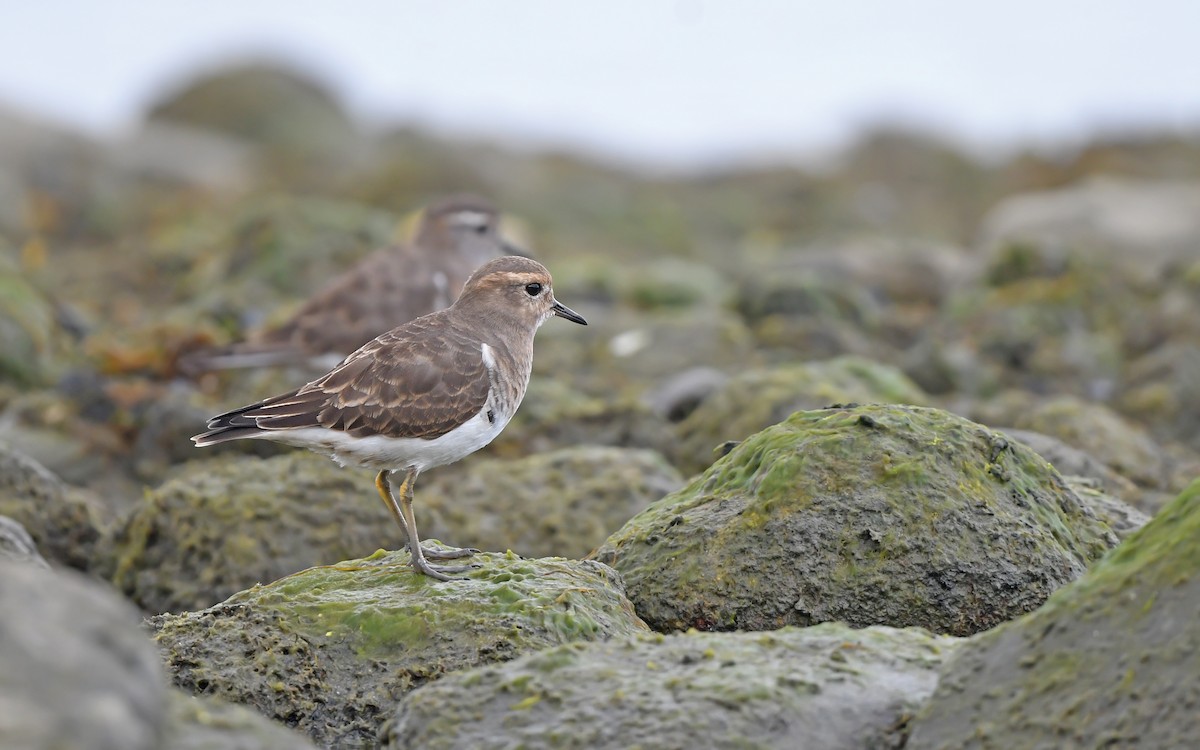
{"x":391,"y":286}
{"x":422,"y":395}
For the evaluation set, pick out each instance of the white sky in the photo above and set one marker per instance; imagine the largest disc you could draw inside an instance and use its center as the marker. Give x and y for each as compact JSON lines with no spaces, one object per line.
{"x":663,"y":80}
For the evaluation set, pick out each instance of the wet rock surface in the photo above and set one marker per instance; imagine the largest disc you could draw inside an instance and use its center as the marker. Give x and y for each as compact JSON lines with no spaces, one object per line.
{"x":873,"y":515}
{"x":328,"y":650}
{"x":75,"y":672}
{"x":224,"y":524}
{"x":1112,"y":659}
{"x":758,"y":398}
{"x":65,"y":523}
{"x":825,"y":686}
{"x":557,"y":503}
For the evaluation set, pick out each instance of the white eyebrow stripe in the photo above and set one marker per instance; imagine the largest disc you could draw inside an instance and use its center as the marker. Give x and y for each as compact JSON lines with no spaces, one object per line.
{"x":471,"y":218}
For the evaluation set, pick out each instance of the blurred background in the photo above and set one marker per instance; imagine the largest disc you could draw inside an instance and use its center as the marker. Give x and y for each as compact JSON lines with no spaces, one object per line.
{"x":994,"y":210}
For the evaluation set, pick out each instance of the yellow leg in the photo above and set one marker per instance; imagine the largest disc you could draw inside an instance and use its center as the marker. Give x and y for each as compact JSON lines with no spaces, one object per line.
{"x":385,"y":493}
{"x":403,"y":513}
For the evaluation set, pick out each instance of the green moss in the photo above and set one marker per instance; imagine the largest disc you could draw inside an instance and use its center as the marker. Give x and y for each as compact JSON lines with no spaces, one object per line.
{"x":853,"y":503}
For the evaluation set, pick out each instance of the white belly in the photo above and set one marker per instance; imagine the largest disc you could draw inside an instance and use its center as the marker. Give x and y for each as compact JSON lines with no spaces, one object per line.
{"x":378,"y":452}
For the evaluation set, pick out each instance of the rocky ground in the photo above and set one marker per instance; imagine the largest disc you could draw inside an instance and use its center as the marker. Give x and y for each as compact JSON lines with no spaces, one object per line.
{"x":896,"y":454}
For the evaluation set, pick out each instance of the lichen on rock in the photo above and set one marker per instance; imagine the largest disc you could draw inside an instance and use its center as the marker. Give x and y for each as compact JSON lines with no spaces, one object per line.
{"x":889,"y":515}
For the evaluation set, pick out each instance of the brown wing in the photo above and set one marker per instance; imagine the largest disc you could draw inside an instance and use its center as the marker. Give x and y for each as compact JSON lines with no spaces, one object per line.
{"x":419,"y":381}
{"x":387,"y":288}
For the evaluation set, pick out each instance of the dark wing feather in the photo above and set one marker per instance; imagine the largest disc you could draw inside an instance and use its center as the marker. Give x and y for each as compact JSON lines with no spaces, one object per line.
{"x":418,"y":381}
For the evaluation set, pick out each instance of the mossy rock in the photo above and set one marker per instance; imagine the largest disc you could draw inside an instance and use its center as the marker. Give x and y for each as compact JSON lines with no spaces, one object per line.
{"x":826,"y":686}
{"x":221,"y":525}
{"x":1096,"y":429}
{"x":65,"y":523}
{"x":330,"y":649}
{"x":29,"y":330}
{"x":1121,"y":517}
{"x":873,"y":515}
{"x":1113,"y":660}
{"x":564,"y":502}
{"x":555,"y":413}
{"x":755,"y":399}
{"x":207,"y":723}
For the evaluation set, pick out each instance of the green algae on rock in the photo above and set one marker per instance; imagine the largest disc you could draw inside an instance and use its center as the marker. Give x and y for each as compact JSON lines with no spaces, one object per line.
{"x":873,"y":515}
{"x":330,"y":649}
{"x":755,"y":399}
{"x":564,"y":502}
{"x":1112,"y":660}
{"x":824,"y":686}
{"x":221,"y":525}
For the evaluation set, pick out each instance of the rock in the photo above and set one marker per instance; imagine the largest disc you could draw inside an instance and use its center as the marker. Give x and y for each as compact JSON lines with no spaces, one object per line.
{"x":221,"y":525}
{"x":755,"y":399}
{"x":622,"y":348}
{"x":555,"y":413}
{"x":864,"y":297}
{"x":29,"y":330}
{"x":1162,"y":388}
{"x":66,"y":524}
{"x":1071,"y":461}
{"x":329,"y":650}
{"x":277,"y":108}
{"x":872,"y":515}
{"x":679,"y":395}
{"x":562,"y":503}
{"x":1140,"y":223}
{"x":1121,"y":517}
{"x":17,"y":546}
{"x":1099,"y":431}
{"x":1037,"y":334}
{"x":827,"y":686}
{"x":175,"y":154}
{"x":75,"y":672}
{"x":206,"y":723}
{"x":1110,"y":660}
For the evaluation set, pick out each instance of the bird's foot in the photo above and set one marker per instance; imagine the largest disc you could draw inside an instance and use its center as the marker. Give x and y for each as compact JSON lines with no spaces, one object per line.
{"x":440,"y":572}
{"x":448,"y":553}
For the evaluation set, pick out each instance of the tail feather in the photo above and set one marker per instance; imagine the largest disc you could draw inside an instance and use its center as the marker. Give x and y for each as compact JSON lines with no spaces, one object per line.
{"x":241,"y":356}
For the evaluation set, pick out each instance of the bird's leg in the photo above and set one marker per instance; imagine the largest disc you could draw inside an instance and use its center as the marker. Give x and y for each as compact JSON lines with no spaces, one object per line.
{"x":384,"y":486}
{"x":385,"y":493}
{"x":414,"y":542}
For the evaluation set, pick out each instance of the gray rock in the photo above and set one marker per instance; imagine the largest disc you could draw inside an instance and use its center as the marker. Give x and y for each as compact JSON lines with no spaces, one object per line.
{"x":329,"y":650}
{"x":1112,"y":660}
{"x":757,"y":398}
{"x":1140,"y":223}
{"x":679,"y":395}
{"x":75,"y":672}
{"x":872,"y":515}
{"x":221,"y":525}
{"x":206,"y":723}
{"x":828,"y":686}
{"x":17,"y":546}
{"x":562,"y":503}
{"x":1071,"y":461}
{"x":1121,"y":517}
{"x":66,"y":524}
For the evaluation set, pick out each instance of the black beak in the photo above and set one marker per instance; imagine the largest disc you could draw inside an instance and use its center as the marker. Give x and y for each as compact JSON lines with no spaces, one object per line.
{"x":563,"y":311}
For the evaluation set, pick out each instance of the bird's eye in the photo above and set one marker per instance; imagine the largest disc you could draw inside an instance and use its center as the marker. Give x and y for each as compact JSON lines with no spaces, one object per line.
{"x":533,"y":289}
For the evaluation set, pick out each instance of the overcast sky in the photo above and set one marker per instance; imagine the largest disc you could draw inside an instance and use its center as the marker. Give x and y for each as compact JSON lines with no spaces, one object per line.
{"x":664,"y":80}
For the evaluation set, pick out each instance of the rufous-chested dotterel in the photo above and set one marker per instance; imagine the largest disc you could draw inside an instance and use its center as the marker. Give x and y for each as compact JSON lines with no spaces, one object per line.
{"x":422,"y":395}
{"x":394,"y":285}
